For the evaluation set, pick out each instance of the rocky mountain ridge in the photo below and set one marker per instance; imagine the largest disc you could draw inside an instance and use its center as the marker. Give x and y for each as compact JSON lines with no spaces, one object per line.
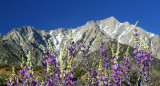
{"x":22,"y":40}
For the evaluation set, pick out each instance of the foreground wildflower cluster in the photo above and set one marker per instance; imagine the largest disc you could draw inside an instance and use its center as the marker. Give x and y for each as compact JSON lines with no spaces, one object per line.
{"x":143,"y":58}
{"x":110,"y":71}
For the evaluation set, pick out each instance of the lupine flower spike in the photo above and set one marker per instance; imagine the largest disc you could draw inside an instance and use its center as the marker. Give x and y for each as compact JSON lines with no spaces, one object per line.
{"x":117,"y":71}
{"x":50,"y":46}
{"x":117,"y":52}
{"x":23,"y":61}
{"x":43,"y":48}
{"x":62,"y":73}
{"x":27,"y":73}
{"x":112,"y":52}
{"x":127,"y":66}
{"x":71,"y":37}
{"x":100,"y":74}
{"x":142,"y":55}
{"x":69,"y":77}
{"x":49,"y":80}
{"x":14,"y":81}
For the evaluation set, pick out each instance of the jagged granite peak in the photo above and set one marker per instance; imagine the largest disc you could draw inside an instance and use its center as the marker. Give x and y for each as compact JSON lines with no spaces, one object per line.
{"x":120,"y":31}
{"x":123,"y":33}
{"x":29,"y":38}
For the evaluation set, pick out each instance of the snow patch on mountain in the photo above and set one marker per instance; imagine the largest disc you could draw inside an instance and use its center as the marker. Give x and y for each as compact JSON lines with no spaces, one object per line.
{"x":73,"y":30}
{"x":76,"y":36}
{"x":151,"y":45}
{"x":107,"y":30}
{"x":146,"y":39}
{"x":119,"y":38}
{"x":60,"y":54}
{"x":51,"y":32}
{"x":59,"y":38}
{"x":21,"y":44}
{"x":30,"y":33}
{"x":115,"y":30}
{"x":67,"y":36}
{"x":29,"y":38}
{"x":64,"y":42}
{"x":54,"y":41}
{"x":152,"y":35}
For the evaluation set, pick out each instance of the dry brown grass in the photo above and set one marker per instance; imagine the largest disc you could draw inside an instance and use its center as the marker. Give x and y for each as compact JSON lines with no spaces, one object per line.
{"x":37,"y":74}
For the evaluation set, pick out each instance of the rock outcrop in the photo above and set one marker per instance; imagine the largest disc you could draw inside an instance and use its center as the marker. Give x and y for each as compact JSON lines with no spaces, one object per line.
{"x":22,"y":40}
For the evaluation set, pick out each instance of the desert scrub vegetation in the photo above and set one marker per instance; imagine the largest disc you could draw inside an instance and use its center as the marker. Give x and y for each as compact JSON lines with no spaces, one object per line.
{"x":3,"y":77}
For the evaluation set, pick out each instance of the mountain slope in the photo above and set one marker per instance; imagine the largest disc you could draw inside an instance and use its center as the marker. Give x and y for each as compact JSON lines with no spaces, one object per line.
{"x":29,"y":38}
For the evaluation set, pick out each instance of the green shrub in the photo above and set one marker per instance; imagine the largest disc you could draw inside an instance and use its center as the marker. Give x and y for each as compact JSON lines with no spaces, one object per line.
{"x":41,"y":70}
{"x":3,"y":65}
{"x":3,"y":82}
{"x":78,"y":72}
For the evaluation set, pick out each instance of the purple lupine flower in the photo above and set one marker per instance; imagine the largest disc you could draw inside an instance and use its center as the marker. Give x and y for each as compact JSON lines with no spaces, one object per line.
{"x":72,"y":82}
{"x":127,"y":66}
{"x":67,"y":80}
{"x":33,"y":83}
{"x":100,"y":79}
{"x":135,"y":29}
{"x":27,"y":77}
{"x":136,"y":34}
{"x":117,"y":72}
{"x":71,"y":48}
{"x":50,"y":81}
{"x":22,"y":72}
{"x":47,"y":74}
{"x":137,"y":39}
{"x":93,"y":76}
{"x":93,"y":73}
{"x":80,"y":41}
{"x":114,"y":66}
{"x":103,"y":53}
{"x":82,"y":46}
{"x":13,"y":82}
{"x":151,"y":58}
{"x":30,"y":67}
{"x":57,"y":69}
{"x":51,"y":59}
{"x":9,"y":83}
{"x":58,"y":75}
{"x":142,"y":57}
{"x":149,"y":52}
